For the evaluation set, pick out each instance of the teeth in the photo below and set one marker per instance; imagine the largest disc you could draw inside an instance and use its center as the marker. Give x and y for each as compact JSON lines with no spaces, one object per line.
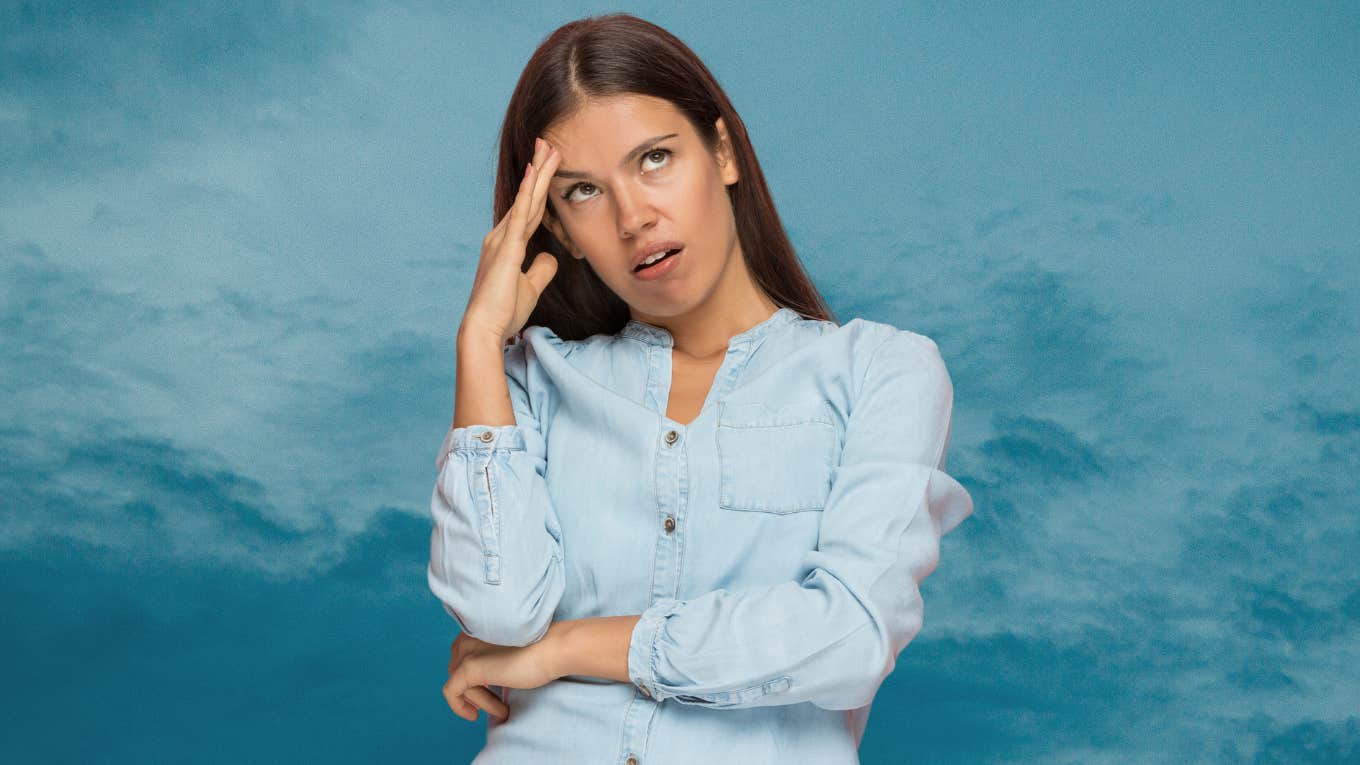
{"x":655,"y":258}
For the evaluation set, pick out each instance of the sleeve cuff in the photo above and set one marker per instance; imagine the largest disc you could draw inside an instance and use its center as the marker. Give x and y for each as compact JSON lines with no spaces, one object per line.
{"x":642,"y":646}
{"x":485,"y":438}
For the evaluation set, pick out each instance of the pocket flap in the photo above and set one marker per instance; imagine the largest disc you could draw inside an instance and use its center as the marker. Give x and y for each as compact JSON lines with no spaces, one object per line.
{"x":775,"y":459}
{"x":756,"y":414}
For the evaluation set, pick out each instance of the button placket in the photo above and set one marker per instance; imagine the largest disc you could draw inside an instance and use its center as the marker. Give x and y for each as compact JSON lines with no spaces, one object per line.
{"x":670,"y":438}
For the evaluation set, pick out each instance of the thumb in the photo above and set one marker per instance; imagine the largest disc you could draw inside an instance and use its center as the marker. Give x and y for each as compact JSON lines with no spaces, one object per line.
{"x":541,"y":271}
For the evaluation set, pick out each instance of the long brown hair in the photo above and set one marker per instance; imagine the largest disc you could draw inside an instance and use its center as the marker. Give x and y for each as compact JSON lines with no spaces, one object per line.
{"x":618,"y":54}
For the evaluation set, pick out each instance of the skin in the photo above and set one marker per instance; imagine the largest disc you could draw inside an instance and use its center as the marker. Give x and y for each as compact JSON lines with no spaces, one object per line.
{"x":603,"y":205}
{"x":710,"y":297}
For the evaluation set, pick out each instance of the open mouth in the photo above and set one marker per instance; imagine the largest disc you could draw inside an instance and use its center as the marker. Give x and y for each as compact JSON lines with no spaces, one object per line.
{"x":662,"y":259}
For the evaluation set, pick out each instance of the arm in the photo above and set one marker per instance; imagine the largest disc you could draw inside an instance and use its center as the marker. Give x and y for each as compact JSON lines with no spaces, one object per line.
{"x":832,"y":637}
{"x":495,"y":550}
{"x":596,"y":646}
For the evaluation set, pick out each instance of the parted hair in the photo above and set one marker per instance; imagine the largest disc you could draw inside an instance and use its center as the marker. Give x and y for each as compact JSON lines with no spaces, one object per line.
{"x":620,"y":54}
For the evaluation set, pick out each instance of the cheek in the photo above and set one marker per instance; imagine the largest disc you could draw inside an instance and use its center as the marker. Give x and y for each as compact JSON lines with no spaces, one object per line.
{"x":694,"y":199}
{"x":717,"y":204}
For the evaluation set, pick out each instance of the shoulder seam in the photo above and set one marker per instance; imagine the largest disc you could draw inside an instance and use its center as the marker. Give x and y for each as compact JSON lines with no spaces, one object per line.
{"x":859,"y":389}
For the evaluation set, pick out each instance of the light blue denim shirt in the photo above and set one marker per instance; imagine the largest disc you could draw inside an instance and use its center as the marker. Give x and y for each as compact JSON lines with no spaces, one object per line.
{"x":774,"y":546}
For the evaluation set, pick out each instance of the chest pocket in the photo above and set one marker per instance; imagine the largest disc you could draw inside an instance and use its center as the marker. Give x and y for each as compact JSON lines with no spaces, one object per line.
{"x":775,"y":459}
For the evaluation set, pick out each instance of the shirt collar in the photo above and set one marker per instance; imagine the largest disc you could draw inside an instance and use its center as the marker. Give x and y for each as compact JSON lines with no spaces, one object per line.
{"x":650,"y":333}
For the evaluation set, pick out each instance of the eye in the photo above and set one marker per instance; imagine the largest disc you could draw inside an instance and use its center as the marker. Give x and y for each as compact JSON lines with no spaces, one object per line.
{"x":567,"y":195}
{"x":572,"y":190}
{"x":663,"y":152}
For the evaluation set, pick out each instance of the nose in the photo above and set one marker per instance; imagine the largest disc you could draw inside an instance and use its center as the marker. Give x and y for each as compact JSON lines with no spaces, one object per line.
{"x":635,"y":210}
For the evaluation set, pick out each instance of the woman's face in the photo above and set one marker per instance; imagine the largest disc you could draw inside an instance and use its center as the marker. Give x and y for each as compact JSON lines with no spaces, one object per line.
{"x":634,"y":172}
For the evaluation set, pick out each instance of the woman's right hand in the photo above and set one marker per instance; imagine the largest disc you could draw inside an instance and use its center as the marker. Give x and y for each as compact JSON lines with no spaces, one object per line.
{"x":502,"y":296}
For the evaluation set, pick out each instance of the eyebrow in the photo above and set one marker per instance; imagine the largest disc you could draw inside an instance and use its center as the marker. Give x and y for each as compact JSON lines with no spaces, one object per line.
{"x":629,"y":157}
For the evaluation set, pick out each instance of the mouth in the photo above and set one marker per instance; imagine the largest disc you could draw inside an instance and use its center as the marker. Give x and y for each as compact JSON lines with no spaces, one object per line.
{"x":643,"y":267}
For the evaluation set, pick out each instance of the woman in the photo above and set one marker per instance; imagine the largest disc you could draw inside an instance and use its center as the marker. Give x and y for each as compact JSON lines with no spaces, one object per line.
{"x":682,"y":513}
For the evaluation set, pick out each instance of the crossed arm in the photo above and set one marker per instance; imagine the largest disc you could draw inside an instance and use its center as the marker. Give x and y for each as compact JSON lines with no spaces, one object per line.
{"x":829,"y":637}
{"x":595,"y":646}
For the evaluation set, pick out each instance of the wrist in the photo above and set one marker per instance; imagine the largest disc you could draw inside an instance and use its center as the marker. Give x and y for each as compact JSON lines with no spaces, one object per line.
{"x":471,"y":334}
{"x":557,"y":649}
{"x":595,"y":646}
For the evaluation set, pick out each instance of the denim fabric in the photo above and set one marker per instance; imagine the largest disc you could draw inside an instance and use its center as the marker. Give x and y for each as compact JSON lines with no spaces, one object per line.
{"x":774,"y":546}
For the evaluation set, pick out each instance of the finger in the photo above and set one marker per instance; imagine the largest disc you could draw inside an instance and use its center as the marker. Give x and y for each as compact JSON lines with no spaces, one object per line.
{"x":544,"y":168}
{"x":524,"y":199}
{"x":458,"y":704}
{"x":485,"y":699}
{"x":455,"y":655}
{"x":539,"y":196}
{"x":542,"y":271}
{"x":493,"y":236}
{"x":465,"y":675}
{"x":519,"y":211}
{"x":511,"y":220}
{"x":498,"y":235}
{"x":533,"y":186}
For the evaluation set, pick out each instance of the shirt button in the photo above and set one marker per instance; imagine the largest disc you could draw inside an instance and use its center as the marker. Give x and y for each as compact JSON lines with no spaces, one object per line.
{"x":486,"y":436}
{"x":642,"y":688}
{"x":669,"y":524}
{"x":672,"y":436}
{"x":632,"y":760}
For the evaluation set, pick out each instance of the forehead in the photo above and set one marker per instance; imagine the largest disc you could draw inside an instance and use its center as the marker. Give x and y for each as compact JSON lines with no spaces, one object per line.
{"x":612,"y":125}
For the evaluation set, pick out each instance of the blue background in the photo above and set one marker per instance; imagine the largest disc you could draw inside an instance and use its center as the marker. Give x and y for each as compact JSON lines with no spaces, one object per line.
{"x":235,"y":241}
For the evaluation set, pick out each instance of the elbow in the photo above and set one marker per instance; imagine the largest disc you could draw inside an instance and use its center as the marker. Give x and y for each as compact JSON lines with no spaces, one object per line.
{"x":492,"y":615}
{"x":509,"y":632}
{"x":870,"y":656}
{"x":496,"y":626}
{"x":857,"y":686}
{"x":891,"y":614}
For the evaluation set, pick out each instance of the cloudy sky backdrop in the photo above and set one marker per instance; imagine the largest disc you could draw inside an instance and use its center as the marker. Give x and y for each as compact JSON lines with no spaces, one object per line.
{"x":236,"y":238}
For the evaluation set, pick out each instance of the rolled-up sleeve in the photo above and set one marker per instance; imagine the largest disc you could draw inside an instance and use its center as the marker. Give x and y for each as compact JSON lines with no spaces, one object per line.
{"x":833,"y":635}
{"x":496,"y":547}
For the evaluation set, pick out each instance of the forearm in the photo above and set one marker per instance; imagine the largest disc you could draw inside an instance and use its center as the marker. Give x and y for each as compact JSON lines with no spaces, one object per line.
{"x":495,"y":549}
{"x":481,"y":394}
{"x":594,"y":647}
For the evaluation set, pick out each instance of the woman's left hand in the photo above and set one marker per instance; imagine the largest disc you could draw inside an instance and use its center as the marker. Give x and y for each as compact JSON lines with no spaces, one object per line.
{"x":476,"y":664}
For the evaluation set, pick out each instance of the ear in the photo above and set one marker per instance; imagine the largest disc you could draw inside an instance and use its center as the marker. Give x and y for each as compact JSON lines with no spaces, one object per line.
{"x":727,"y":163}
{"x":554,"y":227}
